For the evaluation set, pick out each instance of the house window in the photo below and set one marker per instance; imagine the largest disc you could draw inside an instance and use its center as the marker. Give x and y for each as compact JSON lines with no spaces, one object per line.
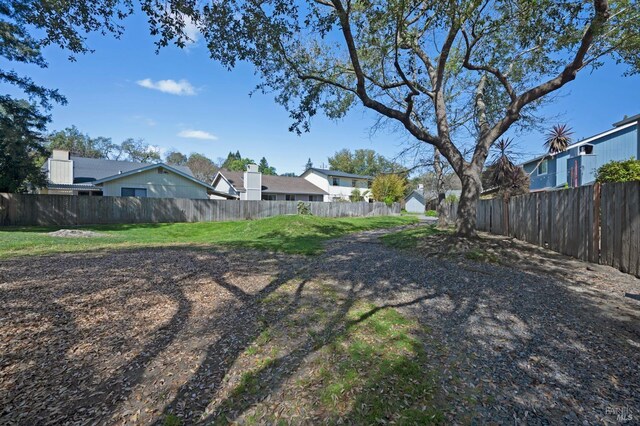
{"x":315,"y":197}
{"x":543,"y":168}
{"x":354,"y":183}
{"x":269,"y":197}
{"x":290,"y":197}
{"x":369,"y":184}
{"x":335,"y":181}
{"x":133,"y":192}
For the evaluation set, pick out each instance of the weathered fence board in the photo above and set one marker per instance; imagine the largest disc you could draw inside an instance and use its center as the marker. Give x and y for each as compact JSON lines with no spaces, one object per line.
{"x":62,"y":210}
{"x":599,"y":223}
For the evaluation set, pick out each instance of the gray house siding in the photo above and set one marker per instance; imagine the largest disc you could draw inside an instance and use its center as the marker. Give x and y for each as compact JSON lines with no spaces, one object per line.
{"x":157,"y":185}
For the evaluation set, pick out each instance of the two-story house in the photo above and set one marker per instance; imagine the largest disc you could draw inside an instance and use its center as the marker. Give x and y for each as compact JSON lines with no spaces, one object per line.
{"x":253,"y":185}
{"x":578,"y":165}
{"x":338,"y":185}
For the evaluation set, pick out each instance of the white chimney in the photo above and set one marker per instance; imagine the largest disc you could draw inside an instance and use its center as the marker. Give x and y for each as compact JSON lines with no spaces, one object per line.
{"x":420,"y":187}
{"x":60,"y":167}
{"x":60,"y":154}
{"x":253,"y":182}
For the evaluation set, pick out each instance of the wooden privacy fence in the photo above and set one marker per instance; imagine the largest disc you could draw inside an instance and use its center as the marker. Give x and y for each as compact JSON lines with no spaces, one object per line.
{"x":599,"y":223}
{"x":65,"y":210}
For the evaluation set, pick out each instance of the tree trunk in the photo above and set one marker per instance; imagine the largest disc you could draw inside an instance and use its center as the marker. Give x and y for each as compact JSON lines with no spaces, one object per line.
{"x":441,"y":206}
{"x":471,"y":188}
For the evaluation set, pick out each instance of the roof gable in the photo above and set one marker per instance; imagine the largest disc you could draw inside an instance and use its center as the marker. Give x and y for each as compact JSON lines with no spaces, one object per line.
{"x":271,"y":184}
{"x":90,"y":169}
{"x":336,"y":173}
{"x":152,"y":167}
{"x":417,"y":195}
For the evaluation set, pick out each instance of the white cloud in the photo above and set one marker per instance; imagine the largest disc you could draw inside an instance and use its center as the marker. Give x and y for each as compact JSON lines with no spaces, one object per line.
{"x":180,"y":88}
{"x":144,"y":120}
{"x":191,"y":31}
{"x":197,"y":134}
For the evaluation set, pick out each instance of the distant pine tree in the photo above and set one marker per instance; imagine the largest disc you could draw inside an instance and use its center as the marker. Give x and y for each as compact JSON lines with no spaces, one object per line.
{"x":308,"y":165}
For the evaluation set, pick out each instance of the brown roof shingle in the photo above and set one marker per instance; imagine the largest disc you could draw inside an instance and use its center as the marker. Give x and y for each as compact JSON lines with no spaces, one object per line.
{"x":275,"y":184}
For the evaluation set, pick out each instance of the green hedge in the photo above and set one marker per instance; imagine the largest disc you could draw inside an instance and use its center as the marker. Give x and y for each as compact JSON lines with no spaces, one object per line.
{"x":619,"y":171}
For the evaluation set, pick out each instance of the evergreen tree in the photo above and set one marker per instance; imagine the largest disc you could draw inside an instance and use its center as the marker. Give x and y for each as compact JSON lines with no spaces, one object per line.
{"x":21,"y":145}
{"x":264,"y":167}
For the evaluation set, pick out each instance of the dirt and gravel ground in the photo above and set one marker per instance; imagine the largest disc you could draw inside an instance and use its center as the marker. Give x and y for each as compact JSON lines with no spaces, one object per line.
{"x":125,"y":337}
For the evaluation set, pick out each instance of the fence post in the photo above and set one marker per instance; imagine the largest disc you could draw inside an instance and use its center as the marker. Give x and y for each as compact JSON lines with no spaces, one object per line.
{"x":594,"y":256}
{"x":4,"y":209}
{"x":505,"y":215}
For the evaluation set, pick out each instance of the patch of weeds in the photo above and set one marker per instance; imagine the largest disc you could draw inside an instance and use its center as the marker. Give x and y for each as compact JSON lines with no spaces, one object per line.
{"x":329,"y":292}
{"x":431,"y":213}
{"x":377,"y":372}
{"x":274,"y":299}
{"x":248,"y":384}
{"x":251,"y":350}
{"x":266,"y":363}
{"x":264,"y":337}
{"x":319,"y":315}
{"x":317,"y":340}
{"x":409,"y":238}
{"x":172,"y":420}
{"x":479,"y":255}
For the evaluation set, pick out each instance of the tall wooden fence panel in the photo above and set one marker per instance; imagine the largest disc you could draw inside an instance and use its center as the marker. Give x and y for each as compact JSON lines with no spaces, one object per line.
{"x":598,"y":223}
{"x":620,"y":226}
{"x":67,"y":210}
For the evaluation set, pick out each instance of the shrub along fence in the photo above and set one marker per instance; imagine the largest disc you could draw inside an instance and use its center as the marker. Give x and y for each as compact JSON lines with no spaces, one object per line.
{"x":598,"y":223}
{"x":66,"y":210}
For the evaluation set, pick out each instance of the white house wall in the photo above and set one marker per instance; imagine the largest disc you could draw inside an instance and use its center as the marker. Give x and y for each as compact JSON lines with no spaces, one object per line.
{"x":158,"y":185}
{"x":223,"y":186}
{"x":342,"y":191}
{"x":344,"y":188}
{"x":320,"y":181}
{"x":413,"y":205}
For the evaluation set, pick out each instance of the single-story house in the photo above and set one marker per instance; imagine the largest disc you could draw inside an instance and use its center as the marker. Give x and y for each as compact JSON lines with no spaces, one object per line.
{"x":253,"y":185}
{"x":578,"y":165}
{"x":71,"y":175}
{"x":338,"y":185}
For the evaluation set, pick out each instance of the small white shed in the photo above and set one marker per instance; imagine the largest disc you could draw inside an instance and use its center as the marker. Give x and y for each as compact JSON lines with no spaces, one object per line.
{"x":415,"y":203}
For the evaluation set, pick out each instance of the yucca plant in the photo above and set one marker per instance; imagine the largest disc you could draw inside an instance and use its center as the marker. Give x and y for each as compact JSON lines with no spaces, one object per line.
{"x":558,"y":139}
{"x":502,"y":167}
{"x":503,"y":174}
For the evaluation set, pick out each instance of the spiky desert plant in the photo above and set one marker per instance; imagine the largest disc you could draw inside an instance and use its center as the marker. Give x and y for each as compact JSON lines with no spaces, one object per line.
{"x":558,"y":139}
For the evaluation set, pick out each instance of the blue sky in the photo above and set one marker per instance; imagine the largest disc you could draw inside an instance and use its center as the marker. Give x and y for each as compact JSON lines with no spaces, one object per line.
{"x":113,"y":92}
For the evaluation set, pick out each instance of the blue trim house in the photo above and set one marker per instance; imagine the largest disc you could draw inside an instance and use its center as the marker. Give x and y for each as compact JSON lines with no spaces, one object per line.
{"x":578,"y":165}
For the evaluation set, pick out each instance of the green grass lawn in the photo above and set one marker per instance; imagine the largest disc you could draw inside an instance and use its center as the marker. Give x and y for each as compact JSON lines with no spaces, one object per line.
{"x":291,"y":234}
{"x":409,"y":238}
{"x":355,"y":363}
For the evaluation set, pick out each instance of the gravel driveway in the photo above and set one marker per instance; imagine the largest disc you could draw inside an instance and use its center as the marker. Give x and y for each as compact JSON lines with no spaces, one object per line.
{"x":122,"y":337}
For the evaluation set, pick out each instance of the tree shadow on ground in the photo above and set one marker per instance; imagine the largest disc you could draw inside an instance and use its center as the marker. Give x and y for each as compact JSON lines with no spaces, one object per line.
{"x":132,"y":336}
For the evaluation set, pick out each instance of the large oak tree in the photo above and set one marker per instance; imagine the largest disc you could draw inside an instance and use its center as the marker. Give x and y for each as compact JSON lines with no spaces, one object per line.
{"x":454,"y":74}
